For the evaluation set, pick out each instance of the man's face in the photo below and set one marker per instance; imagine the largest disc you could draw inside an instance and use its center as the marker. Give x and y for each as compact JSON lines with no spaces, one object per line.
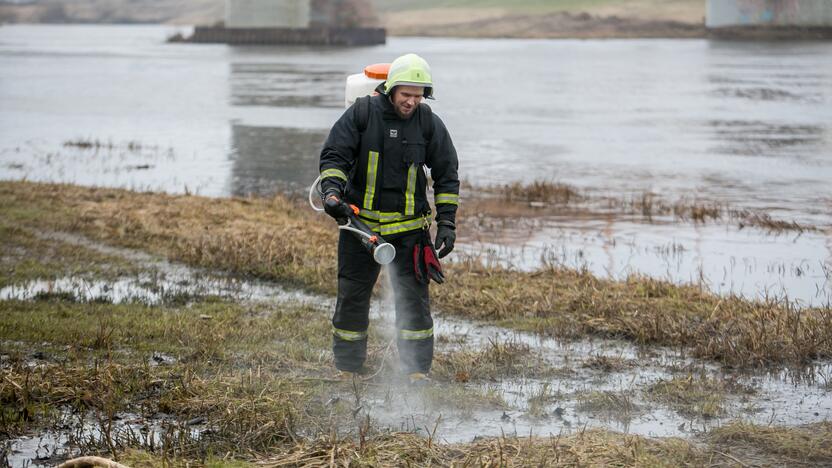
{"x":406,"y":99}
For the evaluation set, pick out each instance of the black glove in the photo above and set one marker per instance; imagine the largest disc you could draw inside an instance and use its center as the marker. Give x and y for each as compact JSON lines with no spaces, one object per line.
{"x":335,"y":207}
{"x":445,"y":237}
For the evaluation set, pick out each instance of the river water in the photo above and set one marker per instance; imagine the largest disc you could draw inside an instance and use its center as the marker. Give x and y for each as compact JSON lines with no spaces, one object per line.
{"x":742,"y":123}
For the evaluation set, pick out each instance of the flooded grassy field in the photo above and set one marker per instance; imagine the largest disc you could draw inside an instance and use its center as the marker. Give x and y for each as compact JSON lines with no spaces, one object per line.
{"x":643,"y":278}
{"x":152,"y":343}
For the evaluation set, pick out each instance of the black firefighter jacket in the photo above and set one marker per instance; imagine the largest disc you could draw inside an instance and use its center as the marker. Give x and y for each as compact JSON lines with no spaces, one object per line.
{"x":380,"y":170}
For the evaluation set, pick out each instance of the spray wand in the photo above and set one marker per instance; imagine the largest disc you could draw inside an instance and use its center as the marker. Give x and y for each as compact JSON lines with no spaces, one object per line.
{"x":383,"y":252}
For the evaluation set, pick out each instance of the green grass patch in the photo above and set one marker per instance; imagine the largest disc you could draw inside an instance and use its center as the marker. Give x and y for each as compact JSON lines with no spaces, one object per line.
{"x":201,"y":331}
{"x":26,"y":257}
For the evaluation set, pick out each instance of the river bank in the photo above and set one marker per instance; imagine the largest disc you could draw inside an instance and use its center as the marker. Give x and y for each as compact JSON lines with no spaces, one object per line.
{"x":548,"y":25}
{"x":526,"y":20}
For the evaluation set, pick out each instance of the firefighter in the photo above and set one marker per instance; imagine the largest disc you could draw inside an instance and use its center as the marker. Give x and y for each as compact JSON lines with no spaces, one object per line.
{"x":375,"y":158}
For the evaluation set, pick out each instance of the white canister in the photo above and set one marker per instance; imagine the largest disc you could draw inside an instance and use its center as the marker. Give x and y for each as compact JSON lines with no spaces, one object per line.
{"x":364,"y":84}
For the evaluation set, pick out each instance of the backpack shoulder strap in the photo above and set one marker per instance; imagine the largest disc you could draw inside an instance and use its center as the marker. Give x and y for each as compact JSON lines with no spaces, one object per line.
{"x":426,"y":121}
{"x":363,"y":112}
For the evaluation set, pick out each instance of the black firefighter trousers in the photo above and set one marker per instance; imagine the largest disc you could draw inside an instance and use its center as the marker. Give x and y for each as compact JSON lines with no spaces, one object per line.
{"x":357,"y":274}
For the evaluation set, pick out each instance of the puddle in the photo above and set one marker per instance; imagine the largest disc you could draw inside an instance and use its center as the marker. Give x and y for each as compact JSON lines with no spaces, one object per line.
{"x":43,"y":450}
{"x":553,"y":405}
{"x":52,"y":447}
{"x":163,"y":281}
{"x":154,"y":289}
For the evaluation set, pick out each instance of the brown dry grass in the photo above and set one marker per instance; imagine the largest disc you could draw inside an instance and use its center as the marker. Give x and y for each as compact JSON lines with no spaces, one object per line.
{"x":490,"y":205}
{"x":279,"y":240}
{"x":587,"y":448}
{"x":696,"y":396}
{"x":572,"y":304}
{"x":264,"y":238}
{"x":498,"y":359}
{"x":611,"y":405}
{"x":728,"y":448}
{"x":538,"y":191}
{"x":809,"y":445}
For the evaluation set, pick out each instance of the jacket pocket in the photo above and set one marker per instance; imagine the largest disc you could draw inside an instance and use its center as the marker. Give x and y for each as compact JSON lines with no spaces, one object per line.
{"x":414,"y":152}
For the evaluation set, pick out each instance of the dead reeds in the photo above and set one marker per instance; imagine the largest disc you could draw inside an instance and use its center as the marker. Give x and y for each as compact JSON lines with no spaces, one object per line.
{"x":611,"y":405}
{"x":538,"y":193}
{"x":96,"y":145}
{"x":586,"y":448}
{"x":496,"y":360}
{"x":808,"y":445}
{"x":225,"y":383}
{"x":573,"y":304}
{"x":696,"y":396}
{"x":547,"y":198}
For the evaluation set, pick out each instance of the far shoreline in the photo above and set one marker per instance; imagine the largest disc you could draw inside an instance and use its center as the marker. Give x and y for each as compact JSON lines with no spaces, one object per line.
{"x":558,"y":25}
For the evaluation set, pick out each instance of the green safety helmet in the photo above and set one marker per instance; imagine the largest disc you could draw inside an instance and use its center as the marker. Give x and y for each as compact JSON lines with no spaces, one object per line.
{"x":410,"y":70}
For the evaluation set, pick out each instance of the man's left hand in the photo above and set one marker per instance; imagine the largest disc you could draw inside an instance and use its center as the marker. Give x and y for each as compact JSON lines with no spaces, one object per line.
{"x":445,"y":237}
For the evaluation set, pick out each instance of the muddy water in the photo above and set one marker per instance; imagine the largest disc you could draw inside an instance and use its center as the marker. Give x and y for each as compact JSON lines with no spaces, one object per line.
{"x":746,"y":124}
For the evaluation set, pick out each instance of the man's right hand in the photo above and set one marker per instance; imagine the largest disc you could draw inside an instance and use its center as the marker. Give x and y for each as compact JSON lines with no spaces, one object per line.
{"x":335,"y":207}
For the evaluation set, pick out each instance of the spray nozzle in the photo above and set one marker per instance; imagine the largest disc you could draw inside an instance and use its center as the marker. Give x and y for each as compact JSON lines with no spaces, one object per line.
{"x":384,"y":253}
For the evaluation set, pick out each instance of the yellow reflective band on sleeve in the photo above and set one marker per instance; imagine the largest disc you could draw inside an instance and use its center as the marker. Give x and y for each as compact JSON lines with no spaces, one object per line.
{"x":416,"y":334}
{"x":446,"y":199}
{"x":372,"y":172}
{"x":338,"y":173}
{"x":347,"y":335}
{"x":409,"y":204}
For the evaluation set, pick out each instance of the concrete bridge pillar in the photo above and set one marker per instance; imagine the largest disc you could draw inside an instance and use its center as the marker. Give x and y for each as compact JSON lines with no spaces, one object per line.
{"x":777,"y":13}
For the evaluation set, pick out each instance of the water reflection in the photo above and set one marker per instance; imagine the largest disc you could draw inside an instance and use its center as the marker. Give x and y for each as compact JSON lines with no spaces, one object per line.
{"x":766,"y":94}
{"x":272,"y":159}
{"x":766,"y":72}
{"x":286,"y":85}
{"x":766,"y":139}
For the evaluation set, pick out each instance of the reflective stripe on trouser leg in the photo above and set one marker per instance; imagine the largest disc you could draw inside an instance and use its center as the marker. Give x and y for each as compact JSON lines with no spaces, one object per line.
{"x":357,"y":273}
{"x":413,"y":320}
